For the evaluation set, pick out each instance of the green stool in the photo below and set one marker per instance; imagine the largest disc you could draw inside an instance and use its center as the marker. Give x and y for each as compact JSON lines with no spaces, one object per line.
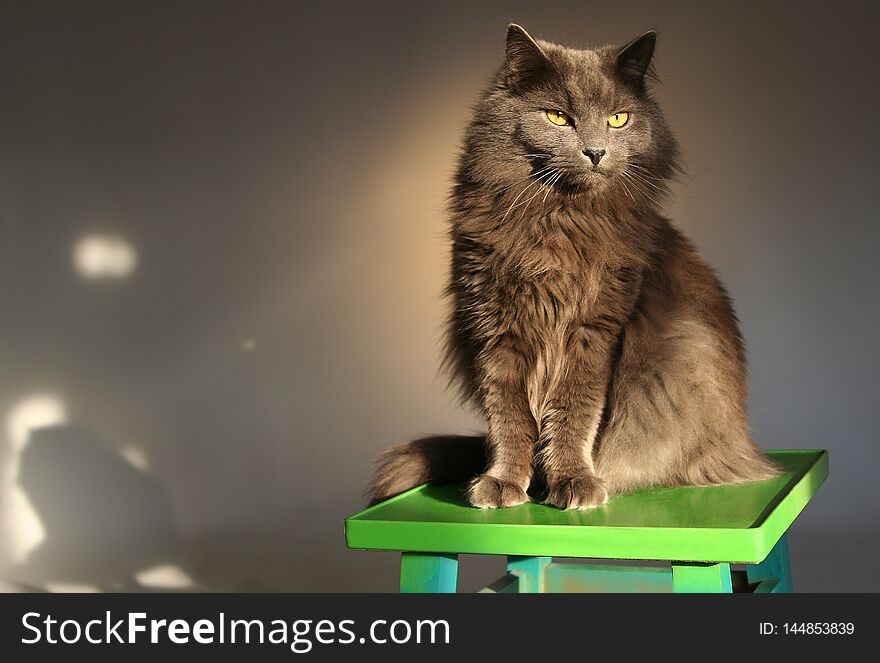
{"x":700,"y":531}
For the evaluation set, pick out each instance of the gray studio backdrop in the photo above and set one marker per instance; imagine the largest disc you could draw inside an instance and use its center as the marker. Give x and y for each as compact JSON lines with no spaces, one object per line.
{"x":222,"y":250}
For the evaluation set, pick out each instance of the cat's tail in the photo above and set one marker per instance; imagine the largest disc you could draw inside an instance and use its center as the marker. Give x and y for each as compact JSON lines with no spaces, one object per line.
{"x":438,"y":458}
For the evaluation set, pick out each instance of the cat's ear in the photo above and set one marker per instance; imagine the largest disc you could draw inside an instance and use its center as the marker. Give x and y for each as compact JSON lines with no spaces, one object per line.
{"x":526,"y":63}
{"x":634,"y":60}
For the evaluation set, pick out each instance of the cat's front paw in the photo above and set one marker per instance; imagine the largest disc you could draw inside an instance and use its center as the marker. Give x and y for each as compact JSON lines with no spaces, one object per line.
{"x":583,"y":492}
{"x":488,"y":492}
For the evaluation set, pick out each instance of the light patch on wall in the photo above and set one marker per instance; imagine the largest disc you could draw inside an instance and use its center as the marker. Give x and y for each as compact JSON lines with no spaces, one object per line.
{"x":21,"y":526}
{"x":405,"y":203}
{"x":31,"y":413}
{"x":135,"y":456}
{"x":165,"y":576}
{"x":70,"y":588}
{"x":107,"y":257}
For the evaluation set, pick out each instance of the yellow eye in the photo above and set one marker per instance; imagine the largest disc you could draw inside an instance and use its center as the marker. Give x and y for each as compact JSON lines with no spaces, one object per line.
{"x":558,"y":118}
{"x":618,"y":120}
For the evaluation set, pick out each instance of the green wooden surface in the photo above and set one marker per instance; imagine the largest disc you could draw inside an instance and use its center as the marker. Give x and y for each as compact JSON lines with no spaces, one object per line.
{"x":738,"y":523}
{"x":422,"y":573}
{"x":690,"y":577}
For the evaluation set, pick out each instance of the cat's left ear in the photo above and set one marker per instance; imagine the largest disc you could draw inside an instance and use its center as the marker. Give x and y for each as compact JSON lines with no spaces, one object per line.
{"x":634,"y":59}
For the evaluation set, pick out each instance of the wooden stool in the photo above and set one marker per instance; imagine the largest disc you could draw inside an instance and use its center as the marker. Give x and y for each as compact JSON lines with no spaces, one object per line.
{"x":698,"y":531}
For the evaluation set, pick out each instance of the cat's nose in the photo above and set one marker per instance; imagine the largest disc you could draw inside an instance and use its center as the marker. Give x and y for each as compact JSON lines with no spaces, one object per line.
{"x":594,"y":155}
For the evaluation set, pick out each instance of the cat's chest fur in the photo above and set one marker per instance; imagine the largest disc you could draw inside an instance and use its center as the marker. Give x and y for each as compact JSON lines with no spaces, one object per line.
{"x":544,"y":279}
{"x":543,"y":284}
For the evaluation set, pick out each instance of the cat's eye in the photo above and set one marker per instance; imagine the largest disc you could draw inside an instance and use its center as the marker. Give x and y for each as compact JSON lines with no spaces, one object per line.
{"x":618,"y":119}
{"x":559,"y":118}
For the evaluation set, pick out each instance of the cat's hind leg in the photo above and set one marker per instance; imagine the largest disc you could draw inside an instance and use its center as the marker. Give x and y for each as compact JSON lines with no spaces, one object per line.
{"x":676,"y":414}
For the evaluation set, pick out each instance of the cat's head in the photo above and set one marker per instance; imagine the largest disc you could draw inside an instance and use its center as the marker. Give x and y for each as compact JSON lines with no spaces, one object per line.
{"x":581,"y":122}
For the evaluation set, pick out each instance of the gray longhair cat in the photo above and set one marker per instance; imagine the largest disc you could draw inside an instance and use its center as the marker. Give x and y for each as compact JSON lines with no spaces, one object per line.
{"x":602,"y":350}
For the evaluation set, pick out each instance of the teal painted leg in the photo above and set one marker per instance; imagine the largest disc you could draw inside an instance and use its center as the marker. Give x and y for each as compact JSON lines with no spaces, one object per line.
{"x":596,"y":578}
{"x":776,"y":567}
{"x":689,"y":577}
{"x":530,"y":571}
{"x":428,"y":573}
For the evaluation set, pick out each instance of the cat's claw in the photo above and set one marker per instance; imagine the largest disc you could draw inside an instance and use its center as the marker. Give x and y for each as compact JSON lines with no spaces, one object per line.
{"x":488,"y":492}
{"x":584,"y":492}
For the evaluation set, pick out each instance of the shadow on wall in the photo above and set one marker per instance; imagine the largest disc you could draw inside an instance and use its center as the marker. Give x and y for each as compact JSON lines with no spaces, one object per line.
{"x":105,"y":520}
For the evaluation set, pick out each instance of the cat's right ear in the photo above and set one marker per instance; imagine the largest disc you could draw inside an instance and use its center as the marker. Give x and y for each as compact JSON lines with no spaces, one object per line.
{"x":526,"y":63}
{"x":633,"y":61}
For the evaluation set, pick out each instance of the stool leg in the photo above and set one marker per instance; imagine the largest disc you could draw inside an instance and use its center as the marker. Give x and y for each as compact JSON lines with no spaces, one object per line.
{"x":688,"y":577}
{"x":530,"y":571}
{"x":776,"y":567}
{"x":428,"y":573}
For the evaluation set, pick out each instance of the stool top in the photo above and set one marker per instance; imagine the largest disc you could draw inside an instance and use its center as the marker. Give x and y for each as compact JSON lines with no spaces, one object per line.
{"x":732,"y":523}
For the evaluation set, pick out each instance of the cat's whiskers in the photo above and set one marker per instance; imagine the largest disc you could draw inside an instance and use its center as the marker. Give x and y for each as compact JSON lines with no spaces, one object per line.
{"x":644,"y":170}
{"x":537,"y":180}
{"x":523,"y":179}
{"x":549,"y":176}
{"x":661,"y":192}
{"x":646,"y":180}
{"x":549,"y":185}
{"x":626,"y":189}
{"x":639,"y":188}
